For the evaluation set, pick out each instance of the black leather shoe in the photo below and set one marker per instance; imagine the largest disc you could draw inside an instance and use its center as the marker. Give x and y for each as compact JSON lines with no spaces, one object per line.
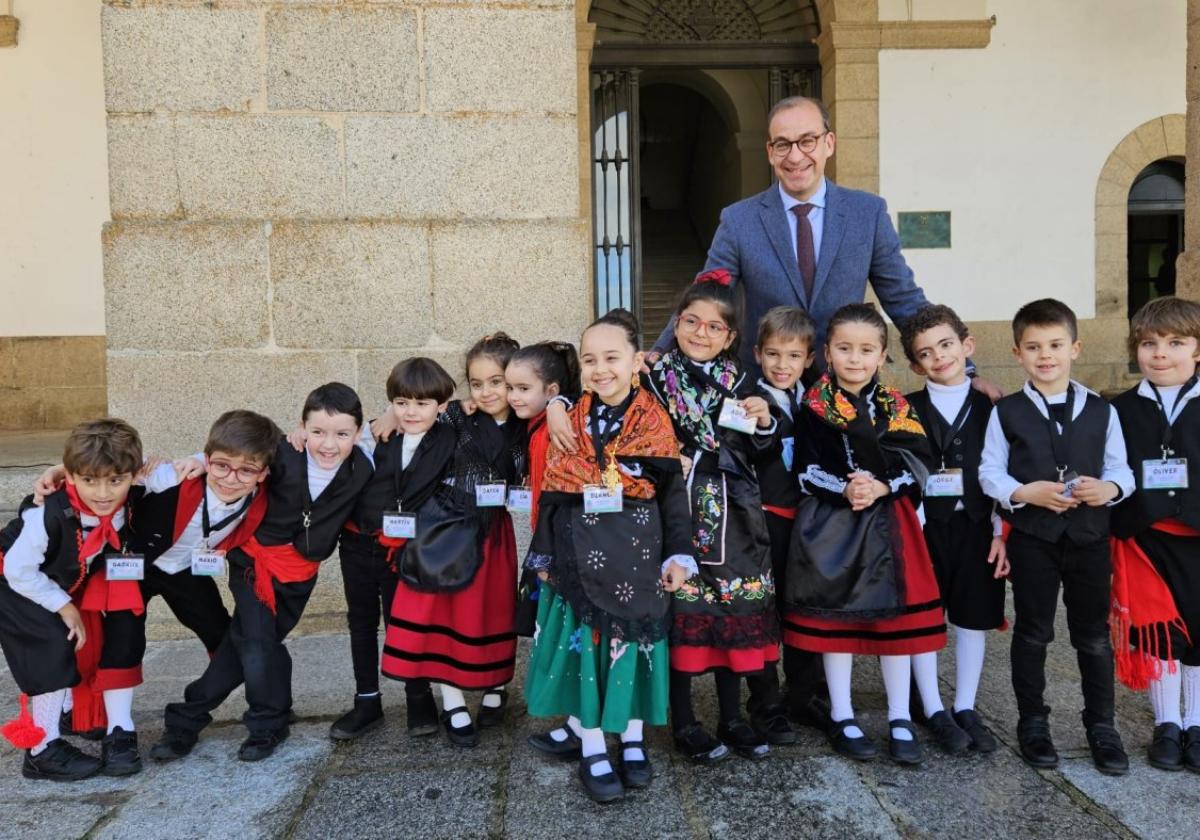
{"x":422,"y":715}
{"x":740,"y":737}
{"x":1191,"y":748}
{"x":1037,"y":748}
{"x":492,"y":715}
{"x":982,"y":739}
{"x":66,"y":727}
{"x":901,"y":751}
{"x":366,"y":715}
{"x":699,"y":746}
{"x":635,"y":774}
{"x":603,"y":788}
{"x":948,"y":734}
{"x":261,"y":745}
{"x":772,"y":724}
{"x":861,"y":748}
{"x":1166,"y":747}
{"x":460,"y":736}
{"x":61,"y":761}
{"x":812,"y":711}
{"x":1108,"y":753}
{"x":175,"y":743}
{"x":119,"y":752}
{"x":568,"y":748}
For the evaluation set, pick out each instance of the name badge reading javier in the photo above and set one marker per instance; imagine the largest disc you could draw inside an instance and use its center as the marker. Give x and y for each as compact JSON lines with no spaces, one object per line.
{"x":944,"y":483}
{"x":490,"y":495}
{"x":124,"y":566}
{"x":599,"y":498}
{"x":1165,"y":474}
{"x":208,"y":562}
{"x":400,"y":526}
{"x":520,"y":499}
{"x":733,"y":416}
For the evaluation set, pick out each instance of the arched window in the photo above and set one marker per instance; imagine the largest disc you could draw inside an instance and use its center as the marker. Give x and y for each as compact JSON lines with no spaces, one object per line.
{"x":1155,"y":231}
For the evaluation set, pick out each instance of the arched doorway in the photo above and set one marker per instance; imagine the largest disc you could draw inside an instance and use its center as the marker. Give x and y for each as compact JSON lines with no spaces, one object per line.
{"x":1155,"y":231}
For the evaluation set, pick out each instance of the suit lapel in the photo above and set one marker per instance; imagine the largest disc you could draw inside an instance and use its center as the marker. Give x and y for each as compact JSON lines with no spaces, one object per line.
{"x":831,"y":236}
{"x":775,"y":223}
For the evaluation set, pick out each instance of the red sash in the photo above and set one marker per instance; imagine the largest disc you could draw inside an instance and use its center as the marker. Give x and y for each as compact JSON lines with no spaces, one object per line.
{"x":272,"y":563}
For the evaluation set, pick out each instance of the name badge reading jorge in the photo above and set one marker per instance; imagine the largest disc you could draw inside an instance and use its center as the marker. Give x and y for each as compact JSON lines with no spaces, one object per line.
{"x":1165,"y":474}
{"x":599,"y":498}
{"x":208,"y":562}
{"x":520,"y":499}
{"x":400,"y":526}
{"x":490,"y":495}
{"x":124,"y":566}
{"x":733,"y":416}
{"x":944,"y":483}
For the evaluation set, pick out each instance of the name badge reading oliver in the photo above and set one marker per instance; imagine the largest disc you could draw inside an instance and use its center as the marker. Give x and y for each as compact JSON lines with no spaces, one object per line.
{"x":945,"y":483}
{"x":520,"y":499}
{"x":1165,"y":474}
{"x":490,"y":495}
{"x":599,"y":498}
{"x":733,"y":416}
{"x":400,"y":526}
{"x":125,"y":566}
{"x":208,"y":562}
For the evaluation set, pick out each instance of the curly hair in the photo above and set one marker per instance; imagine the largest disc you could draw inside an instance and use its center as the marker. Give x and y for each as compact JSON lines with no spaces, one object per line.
{"x":928,"y":317}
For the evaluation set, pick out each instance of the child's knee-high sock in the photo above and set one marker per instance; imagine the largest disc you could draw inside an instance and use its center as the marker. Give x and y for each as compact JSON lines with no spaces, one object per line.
{"x":729,"y":694}
{"x":560,"y":734}
{"x":925,"y":672}
{"x":969,"y":648}
{"x":897,"y":677}
{"x":632,"y":734}
{"x":1191,"y":696}
{"x":491,"y":697}
{"x":1164,"y":693}
{"x":593,"y":744}
{"x":838,"y":669}
{"x":682,"y":713}
{"x":45,"y":709}
{"x":453,"y":698}
{"x":118,"y":708}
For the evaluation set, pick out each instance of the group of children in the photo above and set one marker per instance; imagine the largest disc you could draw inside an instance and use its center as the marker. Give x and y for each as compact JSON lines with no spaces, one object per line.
{"x":686,"y":520}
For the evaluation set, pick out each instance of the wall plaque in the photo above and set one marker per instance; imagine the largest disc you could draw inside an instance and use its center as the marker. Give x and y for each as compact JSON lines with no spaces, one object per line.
{"x":928,"y":229}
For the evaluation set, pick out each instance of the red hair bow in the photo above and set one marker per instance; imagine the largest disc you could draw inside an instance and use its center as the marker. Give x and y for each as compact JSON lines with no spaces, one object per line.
{"x":720,"y":276}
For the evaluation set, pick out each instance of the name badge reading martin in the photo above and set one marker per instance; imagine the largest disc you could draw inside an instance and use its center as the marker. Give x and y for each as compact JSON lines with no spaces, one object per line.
{"x":124,"y":566}
{"x":733,"y":416}
{"x":208,"y":562}
{"x":944,"y":483}
{"x":520,"y":499}
{"x":1165,"y":474}
{"x":400,"y":526}
{"x":599,"y":498}
{"x":490,"y":495}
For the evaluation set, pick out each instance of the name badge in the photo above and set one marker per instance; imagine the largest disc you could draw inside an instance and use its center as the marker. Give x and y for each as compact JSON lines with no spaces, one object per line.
{"x":733,"y":416}
{"x":125,"y":566}
{"x":400,"y":526}
{"x":1165,"y":474}
{"x":520,"y":499}
{"x":945,"y":483}
{"x":490,"y":495}
{"x":208,"y":562}
{"x":1070,"y":478}
{"x":599,"y":498}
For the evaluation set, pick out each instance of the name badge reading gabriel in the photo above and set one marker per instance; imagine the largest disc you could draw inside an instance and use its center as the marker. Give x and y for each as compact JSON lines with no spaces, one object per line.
{"x":208,"y":562}
{"x":733,"y":416}
{"x":1165,"y":474}
{"x":490,"y":495}
{"x":520,"y":499}
{"x":944,"y":483}
{"x":400,"y":526}
{"x":124,"y":566}
{"x":599,"y":498}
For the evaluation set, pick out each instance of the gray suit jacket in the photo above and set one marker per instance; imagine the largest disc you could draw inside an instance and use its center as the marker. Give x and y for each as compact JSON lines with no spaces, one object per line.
{"x":858,"y":244}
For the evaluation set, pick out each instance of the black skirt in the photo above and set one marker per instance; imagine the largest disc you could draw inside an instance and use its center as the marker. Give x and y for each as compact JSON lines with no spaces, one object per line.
{"x":35,"y":644}
{"x":959,"y":548}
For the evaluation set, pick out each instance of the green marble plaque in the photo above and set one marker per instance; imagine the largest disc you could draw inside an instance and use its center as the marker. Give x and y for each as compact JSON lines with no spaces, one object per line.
{"x":929,"y":229}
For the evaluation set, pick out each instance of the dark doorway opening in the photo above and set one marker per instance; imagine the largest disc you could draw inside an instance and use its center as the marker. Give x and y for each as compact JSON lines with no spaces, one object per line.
{"x":1155,"y":231}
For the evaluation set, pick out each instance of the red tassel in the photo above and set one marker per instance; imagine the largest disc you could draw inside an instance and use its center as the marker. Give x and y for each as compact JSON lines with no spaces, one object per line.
{"x":22,"y":732}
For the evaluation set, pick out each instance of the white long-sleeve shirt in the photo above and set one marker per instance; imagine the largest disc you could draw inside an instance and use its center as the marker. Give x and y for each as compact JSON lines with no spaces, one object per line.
{"x":179,"y":556}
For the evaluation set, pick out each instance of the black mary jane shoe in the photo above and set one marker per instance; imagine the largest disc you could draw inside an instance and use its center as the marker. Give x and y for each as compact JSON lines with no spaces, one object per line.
{"x":949,"y":735}
{"x":119,"y":752}
{"x":366,"y":715}
{"x":421,"y":715}
{"x":1166,"y":747}
{"x":460,"y":736}
{"x":740,"y":737}
{"x":567,"y":749}
{"x":1108,"y":753}
{"x":982,"y":739}
{"x":638,"y":773}
{"x":492,"y":715}
{"x":261,"y":745}
{"x":67,"y":727}
{"x":908,"y":752}
{"x":772,"y":723}
{"x":60,"y":761}
{"x":603,"y":788}
{"x":861,"y":748}
{"x":174,"y":743}
{"x":1037,"y":747}
{"x":701,"y":747}
{"x":1191,"y":748}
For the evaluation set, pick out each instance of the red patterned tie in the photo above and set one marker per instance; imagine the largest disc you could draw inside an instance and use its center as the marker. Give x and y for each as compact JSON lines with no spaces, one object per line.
{"x":805,"y":253}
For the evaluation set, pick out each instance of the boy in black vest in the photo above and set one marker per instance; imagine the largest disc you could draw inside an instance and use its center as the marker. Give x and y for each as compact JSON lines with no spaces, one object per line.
{"x":961,"y":528}
{"x":68,"y":581}
{"x":1054,"y":458}
{"x":1156,"y":576}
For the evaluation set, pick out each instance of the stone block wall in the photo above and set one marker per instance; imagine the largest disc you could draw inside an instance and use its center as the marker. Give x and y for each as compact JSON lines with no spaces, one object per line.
{"x":307,"y":190}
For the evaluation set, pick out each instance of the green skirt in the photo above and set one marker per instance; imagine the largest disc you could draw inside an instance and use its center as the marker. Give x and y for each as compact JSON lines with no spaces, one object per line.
{"x":602,"y":681}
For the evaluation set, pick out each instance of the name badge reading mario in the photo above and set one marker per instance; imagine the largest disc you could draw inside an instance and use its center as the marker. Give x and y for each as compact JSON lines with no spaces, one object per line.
{"x":208,"y":563}
{"x":599,"y":498}
{"x":400,"y":526}
{"x":124,"y":566}
{"x":944,"y":483}
{"x":490,"y":495}
{"x":733,"y":416}
{"x":520,"y":499}
{"x":1165,"y":474}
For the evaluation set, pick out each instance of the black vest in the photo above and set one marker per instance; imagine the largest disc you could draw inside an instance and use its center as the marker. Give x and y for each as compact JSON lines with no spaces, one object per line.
{"x":413,"y":485}
{"x":1142,"y":425}
{"x":1031,"y":458}
{"x":777,"y":484}
{"x":153,"y":532}
{"x":964,"y":453}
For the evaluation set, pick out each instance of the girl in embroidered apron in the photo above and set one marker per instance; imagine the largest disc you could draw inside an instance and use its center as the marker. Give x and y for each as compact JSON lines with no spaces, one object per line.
{"x":612,"y":541}
{"x":724,"y":617}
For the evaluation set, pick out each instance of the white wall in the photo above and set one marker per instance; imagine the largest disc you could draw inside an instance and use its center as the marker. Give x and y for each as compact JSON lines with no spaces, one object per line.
{"x":53,"y":171}
{"x":1011,"y":140}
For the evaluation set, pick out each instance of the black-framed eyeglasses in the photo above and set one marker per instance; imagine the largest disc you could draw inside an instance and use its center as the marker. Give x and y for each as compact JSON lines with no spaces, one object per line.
{"x":783,"y":147}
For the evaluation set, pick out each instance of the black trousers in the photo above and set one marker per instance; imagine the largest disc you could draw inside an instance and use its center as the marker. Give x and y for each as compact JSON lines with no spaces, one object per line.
{"x":253,"y":653}
{"x":1084,"y":572}
{"x":193,"y":599}
{"x":370,"y":585}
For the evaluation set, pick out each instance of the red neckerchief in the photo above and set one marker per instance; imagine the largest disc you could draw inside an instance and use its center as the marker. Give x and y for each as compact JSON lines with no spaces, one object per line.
{"x":101,"y":534}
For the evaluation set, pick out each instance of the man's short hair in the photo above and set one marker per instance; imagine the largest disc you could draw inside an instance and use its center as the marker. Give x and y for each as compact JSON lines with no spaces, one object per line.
{"x":420,"y":378}
{"x":789,"y":102}
{"x":1046,"y":312}
{"x":928,"y":317}
{"x":103,"y":447}
{"x":244,"y":433}
{"x":787,"y":323}
{"x":1164,"y":316}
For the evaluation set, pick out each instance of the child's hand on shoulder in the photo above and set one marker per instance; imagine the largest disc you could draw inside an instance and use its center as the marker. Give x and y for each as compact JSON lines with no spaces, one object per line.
{"x":49,"y":481}
{"x":998,"y":556}
{"x":383,"y":426}
{"x":189,"y":467}
{"x":297,"y":437}
{"x":757,"y":408}
{"x":558,"y":427}
{"x":1047,"y":494}
{"x":1094,"y":492}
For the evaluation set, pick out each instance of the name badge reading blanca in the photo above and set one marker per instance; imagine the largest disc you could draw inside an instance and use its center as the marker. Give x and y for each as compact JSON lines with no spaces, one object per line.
{"x":124,"y":566}
{"x":520,"y":499}
{"x":733,"y":416}
{"x":208,"y":563}
{"x":944,"y":483}
{"x":490,"y":495}
{"x":400,"y":526}
{"x":1165,"y":474}
{"x":598,"y":498}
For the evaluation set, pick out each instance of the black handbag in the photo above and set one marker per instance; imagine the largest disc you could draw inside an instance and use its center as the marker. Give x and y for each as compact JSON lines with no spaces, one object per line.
{"x":447,"y":551}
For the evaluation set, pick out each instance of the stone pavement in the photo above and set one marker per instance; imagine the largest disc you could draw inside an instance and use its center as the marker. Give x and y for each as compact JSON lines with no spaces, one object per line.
{"x":393,"y":786}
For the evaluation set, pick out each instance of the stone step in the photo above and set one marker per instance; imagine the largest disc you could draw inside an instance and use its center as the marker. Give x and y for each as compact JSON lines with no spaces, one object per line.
{"x":23,"y":456}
